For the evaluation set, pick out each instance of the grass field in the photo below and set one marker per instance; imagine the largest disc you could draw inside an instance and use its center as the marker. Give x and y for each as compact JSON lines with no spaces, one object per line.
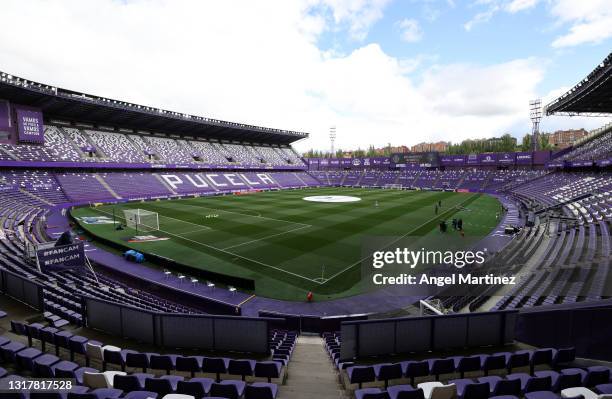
{"x":288,"y":245}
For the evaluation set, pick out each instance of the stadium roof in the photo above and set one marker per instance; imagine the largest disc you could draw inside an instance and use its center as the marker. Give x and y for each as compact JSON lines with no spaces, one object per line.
{"x":592,"y":96}
{"x":67,"y":105}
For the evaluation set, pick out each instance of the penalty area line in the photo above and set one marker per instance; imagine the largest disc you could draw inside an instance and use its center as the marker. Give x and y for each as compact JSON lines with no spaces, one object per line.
{"x":266,"y":237}
{"x":227,"y":252}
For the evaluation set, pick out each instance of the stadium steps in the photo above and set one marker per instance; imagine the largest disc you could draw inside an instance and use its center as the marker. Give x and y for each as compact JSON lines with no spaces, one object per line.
{"x":75,"y":146}
{"x":36,"y":197}
{"x":297,"y":176}
{"x":311,"y":373}
{"x":3,"y":151}
{"x":163,"y":183}
{"x":106,"y":186}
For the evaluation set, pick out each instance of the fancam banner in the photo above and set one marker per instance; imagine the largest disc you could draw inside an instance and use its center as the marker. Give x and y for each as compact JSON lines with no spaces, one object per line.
{"x":30,"y":125}
{"x":61,"y":258}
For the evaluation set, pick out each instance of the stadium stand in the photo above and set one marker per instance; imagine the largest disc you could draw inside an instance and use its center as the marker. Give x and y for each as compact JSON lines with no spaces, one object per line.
{"x":559,"y":214}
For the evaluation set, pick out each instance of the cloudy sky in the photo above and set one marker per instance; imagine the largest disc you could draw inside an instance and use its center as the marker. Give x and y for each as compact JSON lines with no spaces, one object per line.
{"x":381,"y":71}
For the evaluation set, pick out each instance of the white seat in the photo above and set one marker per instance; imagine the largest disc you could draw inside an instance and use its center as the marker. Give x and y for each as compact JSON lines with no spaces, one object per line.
{"x":94,"y":351}
{"x":100,"y":380}
{"x":437,"y":390}
{"x":177,"y":396}
{"x":573,"y":392}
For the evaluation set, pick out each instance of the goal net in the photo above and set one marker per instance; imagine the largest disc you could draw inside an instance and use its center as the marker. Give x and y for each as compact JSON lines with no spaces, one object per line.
{"x":393,"y":186}
{"x":141,"y":220}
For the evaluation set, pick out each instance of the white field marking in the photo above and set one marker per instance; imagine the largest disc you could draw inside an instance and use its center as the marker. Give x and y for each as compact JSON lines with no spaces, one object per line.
{"x":203,"y":227}
{"x":226,"y":252}
{"x":195,"y":231}
{"x":266,"y":237}
{"x":246,"y":214}
{"x":168,"y":217}
{"x":397,"y":239}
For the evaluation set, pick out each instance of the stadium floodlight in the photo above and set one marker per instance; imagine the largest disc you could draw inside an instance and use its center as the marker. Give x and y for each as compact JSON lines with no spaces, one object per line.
{"x":535,"y":114}
{"x":332,"y":138}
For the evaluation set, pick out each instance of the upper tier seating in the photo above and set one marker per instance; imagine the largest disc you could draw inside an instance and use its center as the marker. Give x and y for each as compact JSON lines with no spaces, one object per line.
{"x":243,"y":154}
{"x":169,"y":150}
{"x":599,"y":147}
{"x":209,"y":152}
{"x":116,"y":146}
{"x":56,"y":148}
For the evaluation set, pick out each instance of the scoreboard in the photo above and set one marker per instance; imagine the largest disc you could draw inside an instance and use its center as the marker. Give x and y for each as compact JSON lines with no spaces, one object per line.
{"x":425,"y":159}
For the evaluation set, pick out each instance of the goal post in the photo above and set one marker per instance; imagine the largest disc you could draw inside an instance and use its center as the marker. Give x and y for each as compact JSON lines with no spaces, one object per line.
{"x":393,"y":186}
{"x":141,"y":219}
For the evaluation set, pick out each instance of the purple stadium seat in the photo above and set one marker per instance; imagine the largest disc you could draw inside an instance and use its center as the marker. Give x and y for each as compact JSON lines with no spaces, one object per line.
{"x":9,"y":350}
{"x":197,"y":387}
{"x":241,"y":367}
{"x":492,"y":362}
{"x":461,"y":383}
{"x":541,"y":356}
{"x":438,"y":367}
{"x":268,"y":369}
{"x":414,"y":369}
{"x":604,"y":389}
{"x":192,"y":364}
{"x":215,"y":365}
{"x":62,"y":340}
{"x":100,"y":393}
{"x":43,"y":365}
{"x":261,"y":390}
{"x":131,"y":382}
{"x":231,"y":389}
{"x":530,"y":384}
{"x":139,"y":360}
{"x":464,"y":364}
{"x":387,"y":371}
{"x":501,"y":387}
{"x":592,"y":376}
{"x":517,"y":359}
{"x":63,"y":366}
{"x":141,"y":395}
{"x":113,"y":356}
{"x":542,"y":395}
{"x":475,"y":391}
{"x":370,"y":393}
{"x":563,"y":356}
{"x":25,"y":358}
{"x":405,"y":392}
{"x":360,"y":374}
{"x":163,"y":362}
{"x":560,"y":381}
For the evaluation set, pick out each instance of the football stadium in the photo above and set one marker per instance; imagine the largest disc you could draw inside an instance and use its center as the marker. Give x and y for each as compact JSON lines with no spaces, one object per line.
{"x":152,"y":253}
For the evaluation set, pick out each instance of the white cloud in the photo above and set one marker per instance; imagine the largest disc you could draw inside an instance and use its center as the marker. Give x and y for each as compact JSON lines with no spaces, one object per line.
{"x":495,"y":6}
{"x":482,"y":17}
{"x":262,"y":66}
{"x":359,"y":15}
{"x":590,"y":21}
{"x":520,"y":5}
{"x":410,"y":30}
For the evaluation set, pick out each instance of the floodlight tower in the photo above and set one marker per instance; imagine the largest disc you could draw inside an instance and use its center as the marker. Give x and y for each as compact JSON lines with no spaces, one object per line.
{"x":535,"y":113}
{"x":332,"y":138}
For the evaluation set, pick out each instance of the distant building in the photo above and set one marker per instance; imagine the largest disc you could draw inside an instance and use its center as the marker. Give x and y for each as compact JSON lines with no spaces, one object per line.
{"x":440,"y":146}
{"x":565,"y":138}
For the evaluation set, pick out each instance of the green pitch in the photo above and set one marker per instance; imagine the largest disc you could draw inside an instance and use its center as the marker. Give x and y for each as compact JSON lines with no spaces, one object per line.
{"x":287,"y":245}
